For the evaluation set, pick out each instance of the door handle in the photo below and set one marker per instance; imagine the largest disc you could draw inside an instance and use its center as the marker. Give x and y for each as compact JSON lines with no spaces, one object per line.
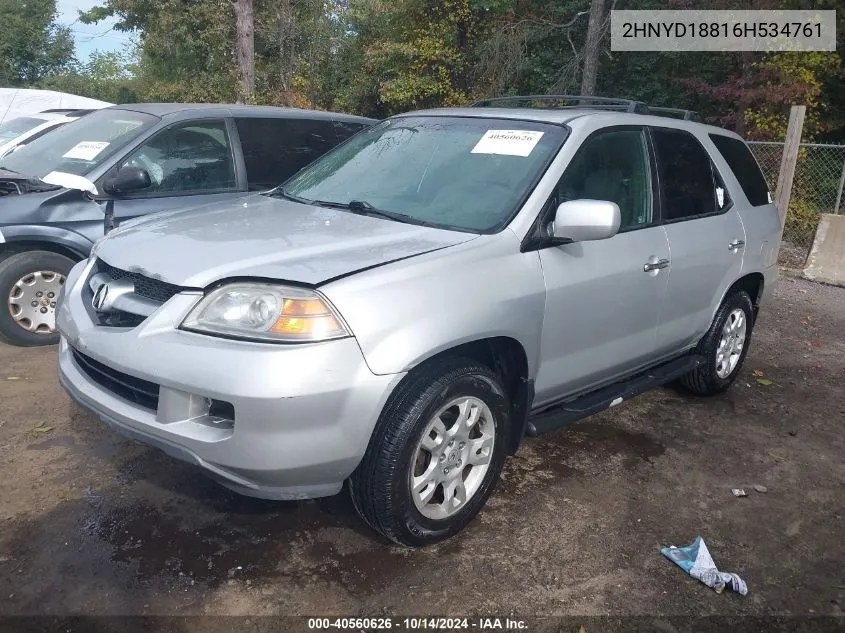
{"x":659,"y":264}
{"x":736,"y":245}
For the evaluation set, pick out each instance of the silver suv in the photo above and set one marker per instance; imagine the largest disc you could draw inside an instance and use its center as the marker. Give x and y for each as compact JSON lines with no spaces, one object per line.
{"x":402,"y":312}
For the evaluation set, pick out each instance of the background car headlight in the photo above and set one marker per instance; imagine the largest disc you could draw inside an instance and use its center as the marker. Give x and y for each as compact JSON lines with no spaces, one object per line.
{"x":266,"y":312}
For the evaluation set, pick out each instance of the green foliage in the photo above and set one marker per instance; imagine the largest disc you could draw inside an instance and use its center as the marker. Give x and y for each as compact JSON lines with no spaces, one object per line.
{"x":109,"y":76}
{"x":185,"y":47}
{"x":378,"y":57}
{"x":32,"y":45}
{"x":801,"y":219}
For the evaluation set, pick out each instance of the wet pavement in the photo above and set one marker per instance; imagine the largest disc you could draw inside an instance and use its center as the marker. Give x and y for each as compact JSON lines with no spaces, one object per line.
{"x":93,"y":524}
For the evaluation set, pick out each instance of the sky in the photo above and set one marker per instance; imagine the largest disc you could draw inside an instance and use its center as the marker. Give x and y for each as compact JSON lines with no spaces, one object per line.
{"x":89,"y":37}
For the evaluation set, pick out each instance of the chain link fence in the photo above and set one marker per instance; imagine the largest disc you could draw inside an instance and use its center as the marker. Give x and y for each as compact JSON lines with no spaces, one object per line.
{"x":817,"y":188}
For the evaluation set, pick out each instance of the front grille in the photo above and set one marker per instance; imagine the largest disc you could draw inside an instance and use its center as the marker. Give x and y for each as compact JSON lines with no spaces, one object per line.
{"x":137,"y":390}
{"x":148,"y":287}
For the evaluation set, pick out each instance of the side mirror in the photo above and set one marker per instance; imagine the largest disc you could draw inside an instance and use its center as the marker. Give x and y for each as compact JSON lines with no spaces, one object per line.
{"x":586,"y":220}
{"x":127,"y":180}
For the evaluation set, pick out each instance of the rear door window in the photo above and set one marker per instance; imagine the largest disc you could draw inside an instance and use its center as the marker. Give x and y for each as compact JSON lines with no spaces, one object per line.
{"x":275,"y":149}
{"x":741,"y":161}
{"x":687,"y":180}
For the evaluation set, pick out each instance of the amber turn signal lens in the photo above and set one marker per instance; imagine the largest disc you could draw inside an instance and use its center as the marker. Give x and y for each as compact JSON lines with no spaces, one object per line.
{"x":306,"y":319}
{"x":304,"y":307}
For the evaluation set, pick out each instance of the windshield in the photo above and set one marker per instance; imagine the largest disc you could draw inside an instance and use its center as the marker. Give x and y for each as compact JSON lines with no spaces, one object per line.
{"x":14,"y":128}
{"x":464,"y":173}
{"x":80,"y":146}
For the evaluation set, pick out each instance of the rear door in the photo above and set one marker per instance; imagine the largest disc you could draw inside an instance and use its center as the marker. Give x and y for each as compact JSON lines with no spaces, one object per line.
{"x":274,"y":149}
{"x":759,"y":215}
{"x":603,"y":297}
{"x":706,"y":237}
{"x":190,"y":163}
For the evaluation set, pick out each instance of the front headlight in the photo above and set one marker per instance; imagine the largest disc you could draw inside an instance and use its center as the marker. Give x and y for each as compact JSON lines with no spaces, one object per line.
{"x":266,"y":312}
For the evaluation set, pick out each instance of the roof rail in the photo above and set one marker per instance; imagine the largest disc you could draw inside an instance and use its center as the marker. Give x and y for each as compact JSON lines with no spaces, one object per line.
{"x":687,"y":115}
{"x":594,"y":103}
{"x":629,"y":104}
{"x":67,"y":111}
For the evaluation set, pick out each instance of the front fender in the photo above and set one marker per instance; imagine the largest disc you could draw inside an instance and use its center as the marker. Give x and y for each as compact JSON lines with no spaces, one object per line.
{"x":68,"y":240}
{"x":408,"y":311}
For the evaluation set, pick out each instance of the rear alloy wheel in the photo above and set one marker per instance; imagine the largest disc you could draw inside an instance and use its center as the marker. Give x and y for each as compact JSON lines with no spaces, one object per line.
{"x":436,"y":453}
{"x":723,"y":347}
{"x":31,"y":283}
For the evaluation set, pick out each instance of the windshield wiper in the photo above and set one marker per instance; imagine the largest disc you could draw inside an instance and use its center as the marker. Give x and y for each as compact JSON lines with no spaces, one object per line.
{"x":365,"y":208}
{"x":362,"y":207}
{"x":281,"y":192}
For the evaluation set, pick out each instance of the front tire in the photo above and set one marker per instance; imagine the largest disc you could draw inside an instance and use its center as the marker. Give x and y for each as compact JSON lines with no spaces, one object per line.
{"x":723,"y":347}
{"x":29,"y":286}
{"x":435,"y":455}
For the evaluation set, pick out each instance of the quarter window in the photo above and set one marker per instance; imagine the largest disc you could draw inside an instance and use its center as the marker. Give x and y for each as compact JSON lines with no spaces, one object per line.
{"x":193,"y":157}
{"x":613,"y":166}
{"x":686,"y":176}
{"x":745,"y":168}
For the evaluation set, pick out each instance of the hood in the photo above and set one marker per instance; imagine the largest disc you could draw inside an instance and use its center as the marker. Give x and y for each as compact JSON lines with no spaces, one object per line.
{"x":261,"y":236}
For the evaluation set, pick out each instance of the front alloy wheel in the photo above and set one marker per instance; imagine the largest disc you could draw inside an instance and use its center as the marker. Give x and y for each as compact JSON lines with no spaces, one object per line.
{"x":452,"y":457}
{"x":436,"y":452}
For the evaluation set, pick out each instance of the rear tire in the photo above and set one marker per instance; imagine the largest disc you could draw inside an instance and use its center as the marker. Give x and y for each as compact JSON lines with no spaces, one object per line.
{"x":435,"y":455}
{"x":22,"y":277}
{"x":723,"y":347}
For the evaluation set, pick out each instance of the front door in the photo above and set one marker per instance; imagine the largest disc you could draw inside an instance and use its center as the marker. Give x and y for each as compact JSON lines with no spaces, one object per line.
{"x":190,"y":164}
{"x":603,"y":298}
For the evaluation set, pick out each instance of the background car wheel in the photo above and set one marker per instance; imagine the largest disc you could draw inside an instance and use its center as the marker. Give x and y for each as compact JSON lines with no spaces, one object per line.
{"x":724,"y":347}
{"x":435,"y":455}
{"x":29,"y":285}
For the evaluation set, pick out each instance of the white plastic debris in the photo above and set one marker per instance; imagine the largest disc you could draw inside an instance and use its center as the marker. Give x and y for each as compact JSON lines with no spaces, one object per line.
{"x":695,"y":559}
{"x":739,"y":492}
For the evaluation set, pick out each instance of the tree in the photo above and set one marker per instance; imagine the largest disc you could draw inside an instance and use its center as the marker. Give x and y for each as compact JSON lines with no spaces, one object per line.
{"x":245,"y":48}
{"x":186,"y":49}
{"x":595,"y":31}
{"x":32,"y":44}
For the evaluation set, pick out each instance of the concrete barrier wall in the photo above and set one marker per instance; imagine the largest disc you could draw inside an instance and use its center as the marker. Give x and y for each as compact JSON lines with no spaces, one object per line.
{"x":826,"y":262}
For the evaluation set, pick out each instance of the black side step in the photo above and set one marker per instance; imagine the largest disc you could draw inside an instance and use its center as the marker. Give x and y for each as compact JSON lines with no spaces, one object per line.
{"x":559,"y":416}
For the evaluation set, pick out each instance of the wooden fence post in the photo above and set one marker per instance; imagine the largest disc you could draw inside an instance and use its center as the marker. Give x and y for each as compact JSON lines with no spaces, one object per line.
{"x":789,"y":160}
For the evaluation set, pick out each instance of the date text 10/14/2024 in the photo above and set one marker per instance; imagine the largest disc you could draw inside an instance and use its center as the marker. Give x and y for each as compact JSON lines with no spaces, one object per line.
{"x":418,"y":624}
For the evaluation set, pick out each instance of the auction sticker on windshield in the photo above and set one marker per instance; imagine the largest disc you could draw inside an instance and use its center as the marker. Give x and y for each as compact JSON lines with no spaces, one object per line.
{"x":507,"y":142}
{"x":86,"y":150}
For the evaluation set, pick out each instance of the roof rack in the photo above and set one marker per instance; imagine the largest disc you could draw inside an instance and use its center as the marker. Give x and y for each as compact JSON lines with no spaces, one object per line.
{"x":593,"y":103}
{"x":629,"y":105}
{"x":687,"y":115}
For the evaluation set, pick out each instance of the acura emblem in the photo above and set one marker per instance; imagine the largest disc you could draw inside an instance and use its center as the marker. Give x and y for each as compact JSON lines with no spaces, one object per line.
{"x":100,"y":297}
{"x":108,"y":293}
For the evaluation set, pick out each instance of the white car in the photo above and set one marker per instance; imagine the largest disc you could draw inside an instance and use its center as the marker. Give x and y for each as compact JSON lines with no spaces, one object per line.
{"x":17,"y":132}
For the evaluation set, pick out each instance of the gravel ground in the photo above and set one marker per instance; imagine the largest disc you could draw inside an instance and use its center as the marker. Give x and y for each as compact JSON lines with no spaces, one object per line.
{"x":92,"y":524}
